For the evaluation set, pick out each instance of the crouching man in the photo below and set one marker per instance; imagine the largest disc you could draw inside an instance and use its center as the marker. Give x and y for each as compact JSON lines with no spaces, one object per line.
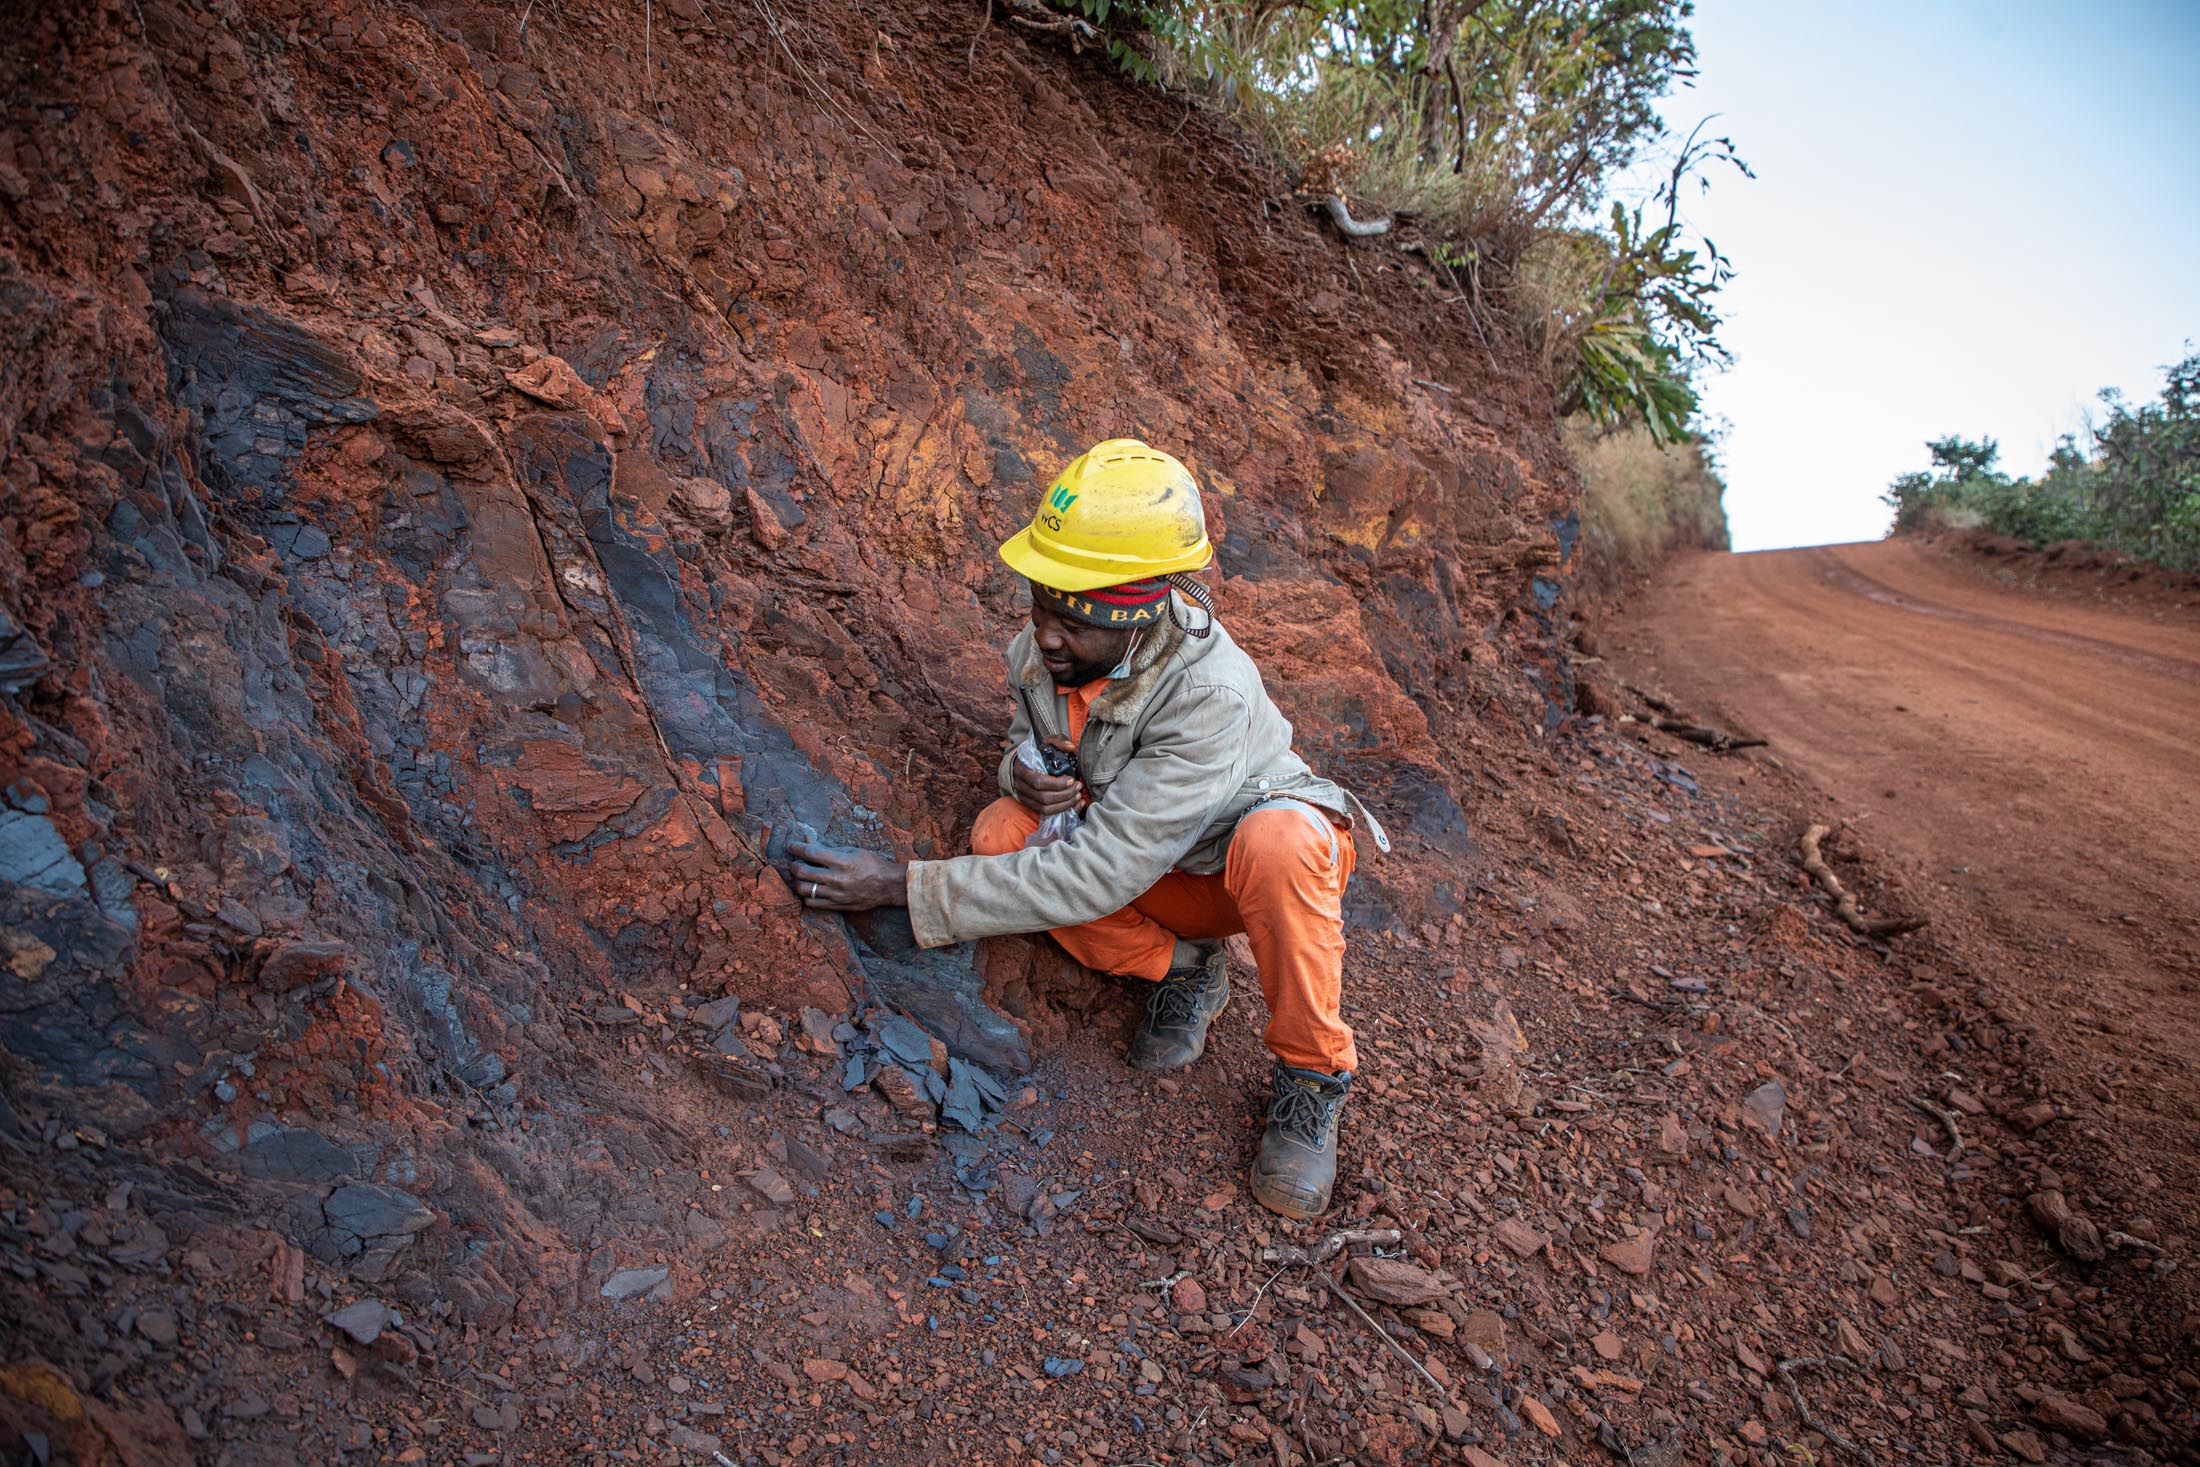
{"x":1195,"y":820}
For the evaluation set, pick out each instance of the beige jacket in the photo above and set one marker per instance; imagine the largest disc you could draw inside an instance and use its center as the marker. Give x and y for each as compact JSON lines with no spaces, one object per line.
{"x":1171,"y":756}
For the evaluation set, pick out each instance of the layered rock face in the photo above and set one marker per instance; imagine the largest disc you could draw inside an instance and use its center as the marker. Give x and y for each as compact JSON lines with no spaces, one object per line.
{"x":471,"y":493}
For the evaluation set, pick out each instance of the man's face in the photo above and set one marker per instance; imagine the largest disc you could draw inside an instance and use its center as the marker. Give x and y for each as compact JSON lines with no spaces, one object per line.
{"x":1073,"y":652}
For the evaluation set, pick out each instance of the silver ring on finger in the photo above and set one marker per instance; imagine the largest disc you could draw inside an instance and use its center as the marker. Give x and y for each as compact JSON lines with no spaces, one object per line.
{"x":813,"y":891}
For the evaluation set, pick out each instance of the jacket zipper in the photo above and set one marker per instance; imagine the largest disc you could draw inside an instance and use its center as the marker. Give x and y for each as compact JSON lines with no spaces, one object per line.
{"x":1044,"y":731}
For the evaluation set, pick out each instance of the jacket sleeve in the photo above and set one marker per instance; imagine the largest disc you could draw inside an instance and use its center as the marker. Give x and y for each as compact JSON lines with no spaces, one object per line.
{"x":1019,"y":729}
{"x":1150,"y":816}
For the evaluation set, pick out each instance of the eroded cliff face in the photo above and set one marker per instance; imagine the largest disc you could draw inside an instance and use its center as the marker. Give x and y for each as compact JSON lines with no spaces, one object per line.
{"x":469,"y":493}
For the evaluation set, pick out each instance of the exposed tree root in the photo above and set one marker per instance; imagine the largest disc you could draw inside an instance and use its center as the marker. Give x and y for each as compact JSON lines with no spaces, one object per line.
{"x":1844,"y":901}
{"x":1037,"y":17}
{"x":1350,"y":227}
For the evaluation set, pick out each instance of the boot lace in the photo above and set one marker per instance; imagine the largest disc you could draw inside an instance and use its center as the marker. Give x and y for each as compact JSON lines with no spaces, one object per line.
{"x":1174,"y":1004}
{"x":1300,"y":1113}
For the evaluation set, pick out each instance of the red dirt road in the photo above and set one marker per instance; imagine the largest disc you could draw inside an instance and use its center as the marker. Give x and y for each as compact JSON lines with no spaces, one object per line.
{"x":2036,"y":758}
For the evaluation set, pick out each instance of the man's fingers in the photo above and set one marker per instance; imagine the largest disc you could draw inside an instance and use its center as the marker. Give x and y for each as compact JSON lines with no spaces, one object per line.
{"x":813,"y":883}
{"x":814,"y":855}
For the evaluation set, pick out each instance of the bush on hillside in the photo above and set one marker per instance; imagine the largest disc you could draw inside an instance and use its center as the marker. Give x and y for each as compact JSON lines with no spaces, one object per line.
{"x":2135,"y":486}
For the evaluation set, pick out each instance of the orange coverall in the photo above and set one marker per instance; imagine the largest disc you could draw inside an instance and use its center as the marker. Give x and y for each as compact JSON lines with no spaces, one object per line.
{"x":1282,"y":885}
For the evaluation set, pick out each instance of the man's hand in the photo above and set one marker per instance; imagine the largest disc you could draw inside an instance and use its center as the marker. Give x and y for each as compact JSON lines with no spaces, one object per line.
{"x":1046,"y":794}
{"x":840,"y":879}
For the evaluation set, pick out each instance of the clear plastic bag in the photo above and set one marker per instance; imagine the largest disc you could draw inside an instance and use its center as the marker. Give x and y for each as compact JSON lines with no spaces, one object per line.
{"x":1049,"y":760}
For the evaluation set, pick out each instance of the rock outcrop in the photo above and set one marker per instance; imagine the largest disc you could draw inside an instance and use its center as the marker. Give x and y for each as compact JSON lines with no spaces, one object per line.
{"x":472,"y":487}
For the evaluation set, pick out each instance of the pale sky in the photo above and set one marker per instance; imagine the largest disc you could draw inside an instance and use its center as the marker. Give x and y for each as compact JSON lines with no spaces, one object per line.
{"x":1968,"y":218}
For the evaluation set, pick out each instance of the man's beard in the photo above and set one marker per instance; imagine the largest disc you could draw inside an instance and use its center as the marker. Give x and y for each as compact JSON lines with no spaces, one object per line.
{"x":1082,"y":673}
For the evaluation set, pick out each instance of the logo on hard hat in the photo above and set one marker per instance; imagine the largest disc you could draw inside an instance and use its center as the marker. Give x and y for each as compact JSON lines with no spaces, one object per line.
{"x":1059,"y":499}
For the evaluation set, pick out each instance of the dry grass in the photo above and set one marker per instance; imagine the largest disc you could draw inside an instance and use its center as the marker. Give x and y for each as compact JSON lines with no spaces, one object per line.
{"x":1639,"y":502}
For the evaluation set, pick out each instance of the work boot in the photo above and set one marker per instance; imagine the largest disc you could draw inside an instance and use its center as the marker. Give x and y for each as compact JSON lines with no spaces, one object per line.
{"x":1173,"y":1032}
{"x":1297,"y":1164}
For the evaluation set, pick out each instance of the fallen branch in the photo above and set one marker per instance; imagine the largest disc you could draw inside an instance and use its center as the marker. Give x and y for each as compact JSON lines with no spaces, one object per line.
{"x":1329,"y":1248}
{"x":1718,"y":740}
{"x":1844,"y":903}
{"x":1787,"y":1369}
{"x":1668,"y":717}
{"x":1332,"y":1245}
{"x":1350,"y":227}
{"x":1947,"y":1119}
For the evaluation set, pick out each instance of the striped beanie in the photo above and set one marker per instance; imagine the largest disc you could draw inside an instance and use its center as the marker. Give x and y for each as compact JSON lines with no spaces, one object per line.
{"x":1131,"y":604}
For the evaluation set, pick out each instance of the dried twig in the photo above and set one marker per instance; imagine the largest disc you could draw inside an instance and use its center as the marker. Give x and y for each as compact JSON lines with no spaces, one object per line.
{"x":2115,"y":1239}
{"x":1947,"y":1119}
{"x":970,"y":57}
{"x":1844,"y":901}
{"x":1387,"y":1338}
{"x":819,"y":89}
{"x":1329,"y":1248}
{"x":1787,"y":1369}
{"x":1037,"y":17}
{"x":1254,"y":1307}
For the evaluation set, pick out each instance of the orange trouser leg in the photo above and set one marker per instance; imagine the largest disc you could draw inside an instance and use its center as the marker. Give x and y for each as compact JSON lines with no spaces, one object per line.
{"x":1288,"y":882}
{"x":1282,"y":886}
{"x":1124,"y":942}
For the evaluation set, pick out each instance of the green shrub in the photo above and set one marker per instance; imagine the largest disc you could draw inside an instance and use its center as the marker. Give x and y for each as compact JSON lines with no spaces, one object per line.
{"x":2135,"y":486}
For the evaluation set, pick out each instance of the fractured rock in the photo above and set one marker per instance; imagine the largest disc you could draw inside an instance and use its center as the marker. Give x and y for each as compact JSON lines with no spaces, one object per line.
{"x":1765,"y":1109}
{"x":2060,"y":1413}
{"x":629,"y":1283}
{"x":1517,"y":1238}
{"x":293,"y":1153}
{"x":33,"y":854}
{"x":1394,"y":1281}
{"x":366,"y":1210}
{"x":363,"y":1321}
{"x":772,"y":1187}
{"x":1630,"y":1255}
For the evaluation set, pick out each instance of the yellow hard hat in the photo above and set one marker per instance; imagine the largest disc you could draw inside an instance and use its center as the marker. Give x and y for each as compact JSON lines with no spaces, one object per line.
{"x":1120,"y":512}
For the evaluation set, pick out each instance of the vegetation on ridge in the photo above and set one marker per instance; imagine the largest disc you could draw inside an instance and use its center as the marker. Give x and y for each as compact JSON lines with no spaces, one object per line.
{"x":1500,"y":126}
{"x":2135,"y":486}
